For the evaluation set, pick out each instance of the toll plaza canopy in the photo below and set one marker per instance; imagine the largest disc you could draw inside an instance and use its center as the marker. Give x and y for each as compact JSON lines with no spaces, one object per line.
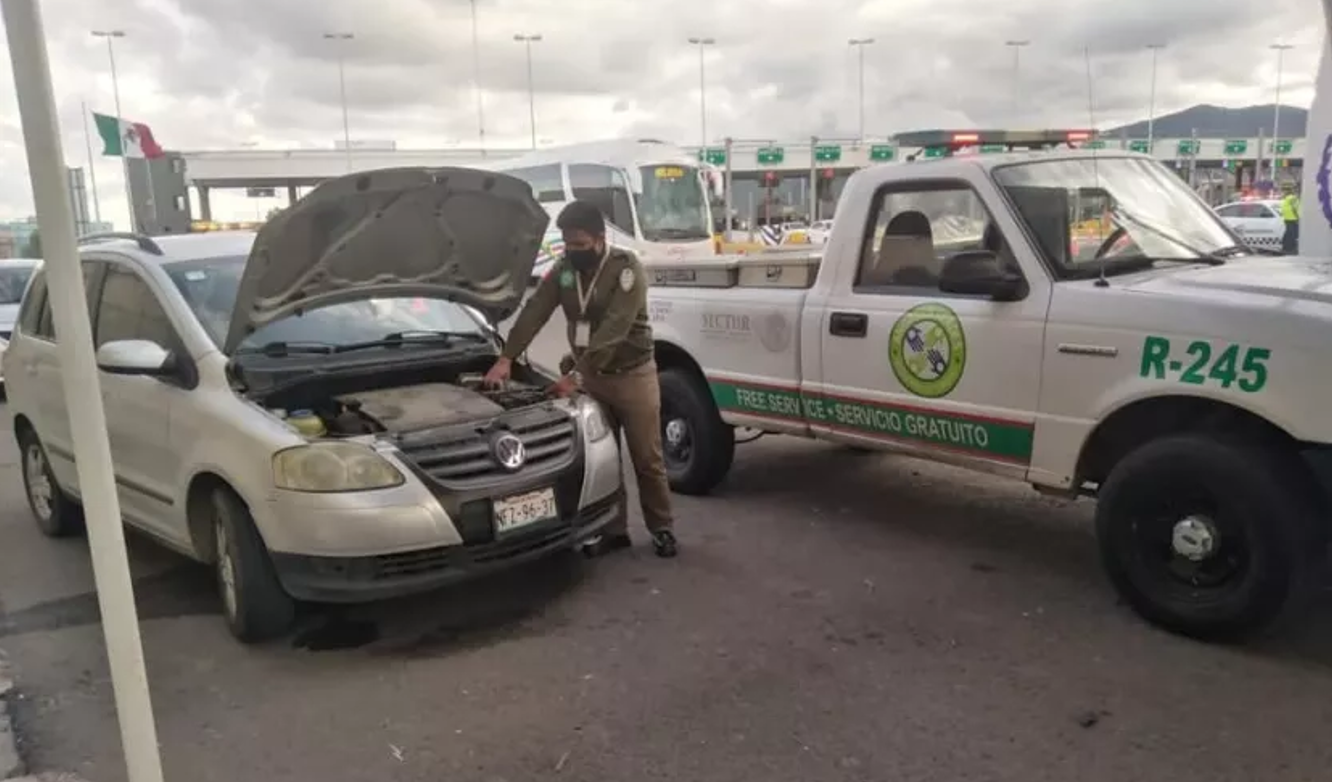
{"x":942,"y":143}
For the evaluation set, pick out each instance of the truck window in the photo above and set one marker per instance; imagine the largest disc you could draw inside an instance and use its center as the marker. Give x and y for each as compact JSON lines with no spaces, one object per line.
{"x":913,"y":231}
{"x":608,"y":189}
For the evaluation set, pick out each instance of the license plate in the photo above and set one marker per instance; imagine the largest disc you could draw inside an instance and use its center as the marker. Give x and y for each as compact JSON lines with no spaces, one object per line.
{"x":522,"y":510}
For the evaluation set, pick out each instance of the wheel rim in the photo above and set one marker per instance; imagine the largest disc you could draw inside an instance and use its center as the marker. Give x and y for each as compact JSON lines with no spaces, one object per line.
{"x":40,"y":491}
{"x":677,"y":439}
{"x":1184,"y":548}
{"x":226,"y":569}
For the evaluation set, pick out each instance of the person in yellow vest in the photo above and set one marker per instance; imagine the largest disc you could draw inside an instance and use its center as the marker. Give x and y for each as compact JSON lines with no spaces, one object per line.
{"x":1290,"y":214}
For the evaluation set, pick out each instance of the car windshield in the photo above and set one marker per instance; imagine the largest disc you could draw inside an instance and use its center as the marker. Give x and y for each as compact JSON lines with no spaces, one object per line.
{"x":1111,"y":214}
{"x":210,"y":286}
{"x":13,"y":279}
{"x":673,"y":205}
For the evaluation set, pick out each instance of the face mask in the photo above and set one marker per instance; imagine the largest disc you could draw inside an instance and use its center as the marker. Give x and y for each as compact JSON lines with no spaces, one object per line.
{"x":582,"y":259}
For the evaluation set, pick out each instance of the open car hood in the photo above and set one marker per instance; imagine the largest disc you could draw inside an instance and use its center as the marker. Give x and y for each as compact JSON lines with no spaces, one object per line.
{"x":456,"y":233}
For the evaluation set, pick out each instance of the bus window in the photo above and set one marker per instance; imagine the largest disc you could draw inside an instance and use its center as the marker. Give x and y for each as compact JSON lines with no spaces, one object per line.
{"x":547,"y":184}
{"x":605,"y":187}
{"x":673,"y":205}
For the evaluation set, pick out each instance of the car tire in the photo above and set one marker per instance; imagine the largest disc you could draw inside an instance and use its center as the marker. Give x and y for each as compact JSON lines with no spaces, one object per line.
{"x":698,"y":445}
{"x":57,"y":514}
{"x":1214,"y":538}
{"x":254,"y":604}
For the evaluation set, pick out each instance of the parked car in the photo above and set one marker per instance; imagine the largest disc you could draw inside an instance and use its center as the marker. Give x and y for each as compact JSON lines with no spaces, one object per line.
{"x":14,"y":276}
{"x":302,"y":408}
{"x":1257,"y":222}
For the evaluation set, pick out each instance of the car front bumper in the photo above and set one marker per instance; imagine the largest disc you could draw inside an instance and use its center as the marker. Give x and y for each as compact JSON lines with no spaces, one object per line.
{"x":337,"y":579}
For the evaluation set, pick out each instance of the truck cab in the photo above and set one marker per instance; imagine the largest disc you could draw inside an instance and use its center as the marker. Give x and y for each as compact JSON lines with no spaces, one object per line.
{"x":1077,"y":320}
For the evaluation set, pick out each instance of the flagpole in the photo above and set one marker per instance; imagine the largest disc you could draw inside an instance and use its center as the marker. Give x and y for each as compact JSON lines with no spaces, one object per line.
{"x":82,"y":389}
{"x":92,"y":169}
{"x":135,"y":223}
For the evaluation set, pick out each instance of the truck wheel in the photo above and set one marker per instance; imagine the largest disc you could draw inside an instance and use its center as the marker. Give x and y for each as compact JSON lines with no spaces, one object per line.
{"x":1210,"y":537}
{"x":254,"y":603}
{"x":56,"y":513}
{"x":698,"y":445}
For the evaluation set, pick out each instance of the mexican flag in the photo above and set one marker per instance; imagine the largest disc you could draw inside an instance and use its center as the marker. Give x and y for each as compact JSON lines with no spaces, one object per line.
{"x":122,"y":138}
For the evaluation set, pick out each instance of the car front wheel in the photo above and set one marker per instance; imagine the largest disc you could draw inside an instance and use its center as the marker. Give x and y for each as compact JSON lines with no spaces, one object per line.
{"x":56,"y":513}
{"x":254,"y":604}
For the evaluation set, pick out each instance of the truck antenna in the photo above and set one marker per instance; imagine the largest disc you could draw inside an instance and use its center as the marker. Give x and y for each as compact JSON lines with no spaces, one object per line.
{"x":1101,"y":282}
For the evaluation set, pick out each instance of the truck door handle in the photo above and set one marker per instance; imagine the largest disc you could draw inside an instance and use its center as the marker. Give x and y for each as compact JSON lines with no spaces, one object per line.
{"x":848,"y":324}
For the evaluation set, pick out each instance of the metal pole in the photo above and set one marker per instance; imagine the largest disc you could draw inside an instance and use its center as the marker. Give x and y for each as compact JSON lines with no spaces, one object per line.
{"x":813,"y":181}
{"x":135,"y":223}
{"x":1151,"y":100}
{"x":1276,"y":109}
{"x":92,"y":170}
{"x":702,"y":44}
{"x":82,"y":389}
{"x":476,"y":83}
{"x":528,"y":40}
{"x":1017,"y":74}
{"x":727,"y":199}
{"x":338,"y":39}
{"x":860,"y":44}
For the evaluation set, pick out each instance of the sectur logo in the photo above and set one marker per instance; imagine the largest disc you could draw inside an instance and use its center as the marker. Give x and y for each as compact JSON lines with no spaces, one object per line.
{"x":927,"y":350}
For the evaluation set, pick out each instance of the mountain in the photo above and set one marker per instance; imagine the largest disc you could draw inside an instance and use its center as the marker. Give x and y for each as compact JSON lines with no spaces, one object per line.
{"x":1218,"y":122}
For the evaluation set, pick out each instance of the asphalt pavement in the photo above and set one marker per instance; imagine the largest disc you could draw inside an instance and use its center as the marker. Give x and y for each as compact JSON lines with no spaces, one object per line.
{"x":833,"y":616}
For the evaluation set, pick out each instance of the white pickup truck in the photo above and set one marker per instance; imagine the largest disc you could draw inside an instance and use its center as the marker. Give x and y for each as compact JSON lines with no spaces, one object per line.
{"x":1080,"y":321}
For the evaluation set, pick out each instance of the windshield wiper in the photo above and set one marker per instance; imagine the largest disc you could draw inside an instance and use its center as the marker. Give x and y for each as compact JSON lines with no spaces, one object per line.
{"x":399,"y":338}
{"x":1211,"y":259}
{"x":281,"y":349}
{"x":678,"y":233}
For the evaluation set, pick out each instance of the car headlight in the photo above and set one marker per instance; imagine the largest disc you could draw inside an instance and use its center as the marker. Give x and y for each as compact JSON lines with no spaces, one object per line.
{"x":333,"y":467}
{"x":594,"y":422}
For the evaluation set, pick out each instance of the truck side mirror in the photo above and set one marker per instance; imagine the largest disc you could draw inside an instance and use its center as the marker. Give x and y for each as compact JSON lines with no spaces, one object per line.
{"x":979,"y":273}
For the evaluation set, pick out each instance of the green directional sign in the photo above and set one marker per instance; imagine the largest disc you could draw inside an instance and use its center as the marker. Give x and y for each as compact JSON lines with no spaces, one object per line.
{"x":1095,"y":143}
{"x":882,"y":152}
{"x":829,"y":153}
{"x":1284,"y":146}
{"x":715,"y":156}
{"x":990,"y":149}
{"x":771,"y":156}
{"x":1188,"y":146}
{"x":1236,"y":147}
{"x":932,"y":152}
{"x":1140,"y":145}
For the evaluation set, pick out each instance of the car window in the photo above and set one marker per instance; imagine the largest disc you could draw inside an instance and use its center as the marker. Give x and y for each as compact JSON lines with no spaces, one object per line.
{"x":546,"y":181}
{"x":913,"y":232}
{"x":128,"y":309}
{"x":33,"y":309}
{"x":13,"y":279}
{"x":1265,"y":211}
{"x":1229,"y":210}
{"x":607,"y":188}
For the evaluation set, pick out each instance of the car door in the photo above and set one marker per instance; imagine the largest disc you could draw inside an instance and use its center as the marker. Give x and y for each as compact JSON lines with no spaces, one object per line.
{"x":947,"y":376}
{"x":138,"y":409}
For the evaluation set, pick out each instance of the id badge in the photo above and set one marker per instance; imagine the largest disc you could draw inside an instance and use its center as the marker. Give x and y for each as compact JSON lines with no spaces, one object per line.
{"x":582,"y":334}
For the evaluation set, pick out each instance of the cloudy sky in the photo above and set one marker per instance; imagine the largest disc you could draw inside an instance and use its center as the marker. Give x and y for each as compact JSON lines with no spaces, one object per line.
{"x":206,"y":74}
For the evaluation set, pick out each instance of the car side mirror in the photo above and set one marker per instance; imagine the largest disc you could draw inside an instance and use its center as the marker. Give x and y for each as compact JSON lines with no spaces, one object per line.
{"x":136,"y":357}
{"x":979,"y":273}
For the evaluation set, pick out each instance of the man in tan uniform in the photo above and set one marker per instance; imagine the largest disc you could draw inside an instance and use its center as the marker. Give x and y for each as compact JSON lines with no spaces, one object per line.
{"x":603,"y":292}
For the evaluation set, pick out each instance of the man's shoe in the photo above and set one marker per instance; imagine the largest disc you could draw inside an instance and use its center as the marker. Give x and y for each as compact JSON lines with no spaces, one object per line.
{"x":605,"y":544}
{"x":663,"y":542}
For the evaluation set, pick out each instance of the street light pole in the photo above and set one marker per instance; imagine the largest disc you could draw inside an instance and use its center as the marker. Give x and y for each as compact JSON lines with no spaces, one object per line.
{"x":1017,"y":47}
{"x":1280,"y":49}
{"x":528,"y":40}
{"x":476,"y":83}
{"x":702,"y":44}
{"x":860,"y":44}
{"x":1151,"y":100}
{"x":110,"y":35}
{"x":339,"y":38}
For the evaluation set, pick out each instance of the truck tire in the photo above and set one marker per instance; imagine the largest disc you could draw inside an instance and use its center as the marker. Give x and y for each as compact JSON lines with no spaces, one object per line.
{"x":698,"y":445}
{"x":57,"y":514}
{"x":254,"y":604}
{"x":1215,"y":538}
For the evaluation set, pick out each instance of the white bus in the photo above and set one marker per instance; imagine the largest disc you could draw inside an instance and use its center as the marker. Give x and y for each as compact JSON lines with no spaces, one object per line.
{"x":656,"y":197}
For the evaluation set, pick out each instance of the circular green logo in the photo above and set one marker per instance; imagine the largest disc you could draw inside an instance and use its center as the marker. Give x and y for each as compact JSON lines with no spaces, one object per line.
{"x":927,"y":350}
{"x":566,"y":279}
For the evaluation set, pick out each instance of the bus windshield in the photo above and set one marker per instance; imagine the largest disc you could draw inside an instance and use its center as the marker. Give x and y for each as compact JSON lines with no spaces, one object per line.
{"x":673,"y":205}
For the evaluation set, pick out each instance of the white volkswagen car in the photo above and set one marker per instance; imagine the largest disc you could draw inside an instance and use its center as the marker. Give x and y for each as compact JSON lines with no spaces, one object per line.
{"x":302,"y":408}
{"x":1257,"y":222}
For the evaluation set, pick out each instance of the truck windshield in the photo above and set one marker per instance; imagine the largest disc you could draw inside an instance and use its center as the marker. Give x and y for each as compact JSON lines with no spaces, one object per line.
{"x":210,"y":286}
{"x":1089,"y":213}
{"x":673,"y":205}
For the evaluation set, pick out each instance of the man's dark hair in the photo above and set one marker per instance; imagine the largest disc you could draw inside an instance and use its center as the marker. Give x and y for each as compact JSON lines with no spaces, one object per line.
{"x":582,"y":216}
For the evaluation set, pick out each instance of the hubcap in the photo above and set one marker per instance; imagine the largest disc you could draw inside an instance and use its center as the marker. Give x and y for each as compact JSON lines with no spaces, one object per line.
{"x":677,"y":442}
{"x":1194,"y":538}
{"x":40,"y":491}
{"x":676,"y":431}
{"x":226,"y":570}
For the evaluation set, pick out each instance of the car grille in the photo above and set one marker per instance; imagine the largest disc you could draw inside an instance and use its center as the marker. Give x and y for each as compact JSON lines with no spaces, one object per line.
{"x":461,"y":456}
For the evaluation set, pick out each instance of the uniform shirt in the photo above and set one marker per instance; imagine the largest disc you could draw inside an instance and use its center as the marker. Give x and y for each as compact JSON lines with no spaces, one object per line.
{"x":1290,"y":208}
{"x":617,"y":314}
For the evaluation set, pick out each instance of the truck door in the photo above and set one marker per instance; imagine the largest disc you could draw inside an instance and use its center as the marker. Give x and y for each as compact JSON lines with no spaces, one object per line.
{"x":907,"y":366}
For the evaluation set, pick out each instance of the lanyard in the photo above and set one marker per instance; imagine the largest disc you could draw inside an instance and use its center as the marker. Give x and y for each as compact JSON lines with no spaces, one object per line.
{"x":585,"y":297}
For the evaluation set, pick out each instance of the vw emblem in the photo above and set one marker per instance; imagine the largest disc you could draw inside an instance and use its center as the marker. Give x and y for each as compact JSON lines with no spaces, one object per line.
{"x":509,"y":451}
